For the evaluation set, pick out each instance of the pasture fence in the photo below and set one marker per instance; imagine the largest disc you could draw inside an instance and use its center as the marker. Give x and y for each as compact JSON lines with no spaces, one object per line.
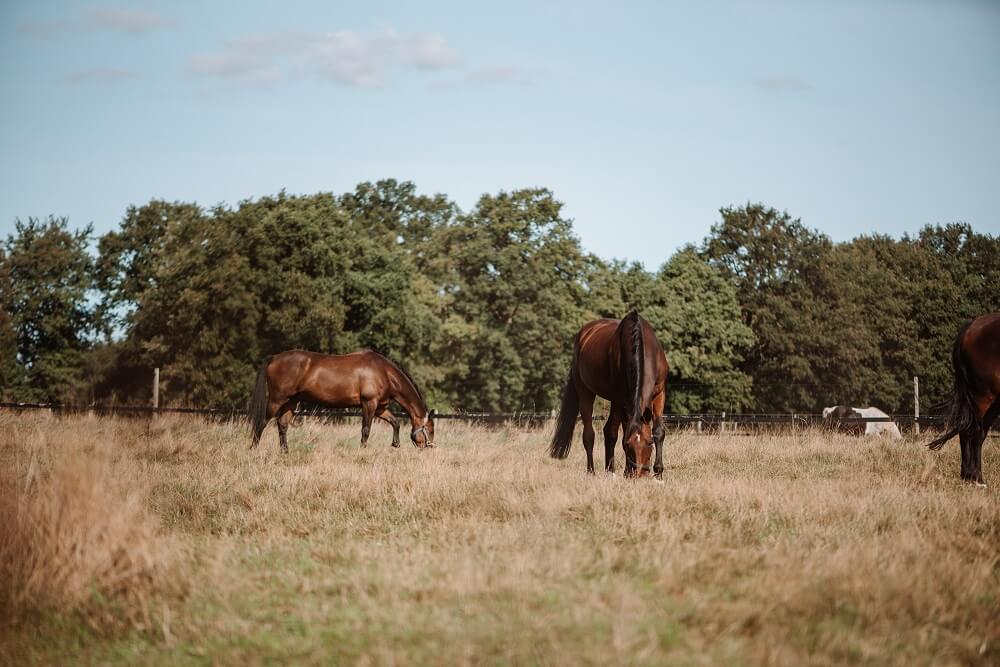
{"x":700,"y":423}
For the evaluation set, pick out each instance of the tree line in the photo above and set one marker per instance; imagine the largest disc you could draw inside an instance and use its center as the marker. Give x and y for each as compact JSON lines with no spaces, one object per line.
{"x":481,"y":306}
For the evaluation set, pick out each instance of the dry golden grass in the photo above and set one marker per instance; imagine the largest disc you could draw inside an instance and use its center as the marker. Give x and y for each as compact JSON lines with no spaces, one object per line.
{"x":775,"y":549}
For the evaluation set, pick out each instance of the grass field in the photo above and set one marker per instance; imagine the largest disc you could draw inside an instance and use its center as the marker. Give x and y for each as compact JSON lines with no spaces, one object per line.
{"x":171,"y":543}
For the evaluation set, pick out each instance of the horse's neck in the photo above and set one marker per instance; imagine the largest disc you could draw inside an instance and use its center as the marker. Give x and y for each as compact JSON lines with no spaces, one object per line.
{"x":408,"y":397}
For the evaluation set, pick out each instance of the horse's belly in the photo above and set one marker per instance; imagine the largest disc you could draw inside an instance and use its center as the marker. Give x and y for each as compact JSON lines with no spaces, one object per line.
{"x":333,"y":401}
{"x":338,"y":390}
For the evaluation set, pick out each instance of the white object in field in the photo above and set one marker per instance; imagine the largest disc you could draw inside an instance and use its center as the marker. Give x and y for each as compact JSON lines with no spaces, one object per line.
{"x":873,"y":428}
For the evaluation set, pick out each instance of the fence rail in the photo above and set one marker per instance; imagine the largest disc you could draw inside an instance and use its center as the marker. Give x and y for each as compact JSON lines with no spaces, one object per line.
{"x":529,"y":418}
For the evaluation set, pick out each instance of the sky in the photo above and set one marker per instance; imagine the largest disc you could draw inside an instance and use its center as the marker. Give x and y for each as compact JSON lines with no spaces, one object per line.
{"x":644,"y":118}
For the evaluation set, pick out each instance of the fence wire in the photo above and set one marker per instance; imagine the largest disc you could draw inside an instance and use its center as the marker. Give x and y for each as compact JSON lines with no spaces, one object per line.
{"x":526,"y":418}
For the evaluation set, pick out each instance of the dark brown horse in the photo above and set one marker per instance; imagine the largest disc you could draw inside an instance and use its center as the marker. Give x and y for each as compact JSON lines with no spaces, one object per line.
{"x":975,"y":401}
{"x":364,"y":378}
{"x":623,"y":362}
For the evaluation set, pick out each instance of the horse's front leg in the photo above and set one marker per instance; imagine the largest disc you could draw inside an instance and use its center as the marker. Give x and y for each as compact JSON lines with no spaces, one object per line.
{"x":386,"y":415}
{"x":659,"y":433}
{"x":611,"y":428}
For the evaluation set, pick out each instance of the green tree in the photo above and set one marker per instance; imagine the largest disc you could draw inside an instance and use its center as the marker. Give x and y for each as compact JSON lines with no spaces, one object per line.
{"x":697,"y":316}
{"x":128,"y":258}
{"x":694,"y":310}
{"x":398,"y":218}
{"x":616,"y":287}
{"x":397,"y":211}
{"x":515,"y":285}
{"x":198,"y":323}
{"x":46,"y":279}
{"x":11,"y":376}
{"x":972,"y":259}
{"x":223,"y":290}
{"x":780,"y":270}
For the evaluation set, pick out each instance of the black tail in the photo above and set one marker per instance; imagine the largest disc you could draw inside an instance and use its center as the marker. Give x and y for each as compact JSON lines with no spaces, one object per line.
{"x":566,"y":421}
{"x":257,"y":407}
{"x":962,"y":415}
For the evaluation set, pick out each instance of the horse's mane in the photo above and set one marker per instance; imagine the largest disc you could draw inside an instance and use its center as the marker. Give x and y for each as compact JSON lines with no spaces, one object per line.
{"x":399,"y":367}
{"x":630,"y":336}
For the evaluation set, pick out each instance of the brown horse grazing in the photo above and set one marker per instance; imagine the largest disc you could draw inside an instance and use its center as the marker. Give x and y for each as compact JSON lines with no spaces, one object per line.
{"x":623,"y":362}
{"x":364,"y":378}
{"x":975,"y":400}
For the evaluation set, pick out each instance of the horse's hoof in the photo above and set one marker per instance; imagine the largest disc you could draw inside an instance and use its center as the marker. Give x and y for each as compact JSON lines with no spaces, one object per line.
{"x":981,"y":485}
{"x":396,"y":445}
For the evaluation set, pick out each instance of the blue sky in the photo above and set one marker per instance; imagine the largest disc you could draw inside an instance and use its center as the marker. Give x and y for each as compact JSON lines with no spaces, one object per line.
{"x":643,"y":118}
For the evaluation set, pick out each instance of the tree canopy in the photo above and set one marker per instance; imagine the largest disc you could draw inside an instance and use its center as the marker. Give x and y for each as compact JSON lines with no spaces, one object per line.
{"x":480,"y":305}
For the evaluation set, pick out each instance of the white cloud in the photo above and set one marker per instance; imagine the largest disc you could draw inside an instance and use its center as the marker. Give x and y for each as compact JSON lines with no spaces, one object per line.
{"x":94,"y":18}
{"x":428,"y":51}
{"x":345,"y":56}
{"x":497,"y":75}
{"x":101,"y":75}
{"x":132,"y":21}
{"x":777,"y":83}
{"x":349,"y":58}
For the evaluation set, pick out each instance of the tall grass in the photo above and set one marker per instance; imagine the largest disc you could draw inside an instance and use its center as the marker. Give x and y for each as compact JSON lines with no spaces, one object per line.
{"x":774,"y":549}
{"x":77,"y":536}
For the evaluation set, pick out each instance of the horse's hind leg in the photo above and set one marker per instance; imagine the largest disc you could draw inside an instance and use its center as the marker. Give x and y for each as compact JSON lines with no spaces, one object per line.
{"x":587,"y":415}
{"x":285,"y":413}
{"x":273,"y":407}
{"x":964,"y":440}
{"x":611,"y":428}
{"x":975,"y":472}
{"x":976,"y":445}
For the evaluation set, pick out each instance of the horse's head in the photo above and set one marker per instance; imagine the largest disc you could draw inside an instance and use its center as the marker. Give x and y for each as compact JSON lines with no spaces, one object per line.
{"x":639,"y":442}
{"x":422,"y":434}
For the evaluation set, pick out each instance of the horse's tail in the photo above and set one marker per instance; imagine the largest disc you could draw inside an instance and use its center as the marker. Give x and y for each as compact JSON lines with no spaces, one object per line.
{"x":257,"y":407}
{"x":962,"y":416}
{"x":568,"y":411}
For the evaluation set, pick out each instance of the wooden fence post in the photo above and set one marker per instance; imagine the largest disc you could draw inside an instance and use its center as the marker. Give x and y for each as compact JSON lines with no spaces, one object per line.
{"x":916,"y":405}
{"x":156,"y":391}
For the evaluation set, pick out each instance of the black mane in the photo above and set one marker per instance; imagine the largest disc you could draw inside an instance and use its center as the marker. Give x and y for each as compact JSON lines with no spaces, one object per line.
{"x":630,"y":335}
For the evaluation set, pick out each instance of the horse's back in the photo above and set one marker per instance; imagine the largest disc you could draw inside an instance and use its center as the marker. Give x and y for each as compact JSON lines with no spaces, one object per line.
{"x":339,"y":380}
{"x":657,"y":365}
{"x":598,"y":352}
{"x":596,"y":335}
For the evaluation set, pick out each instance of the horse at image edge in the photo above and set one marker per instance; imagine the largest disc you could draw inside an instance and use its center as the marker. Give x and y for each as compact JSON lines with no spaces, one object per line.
{"x":975,"y":399}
